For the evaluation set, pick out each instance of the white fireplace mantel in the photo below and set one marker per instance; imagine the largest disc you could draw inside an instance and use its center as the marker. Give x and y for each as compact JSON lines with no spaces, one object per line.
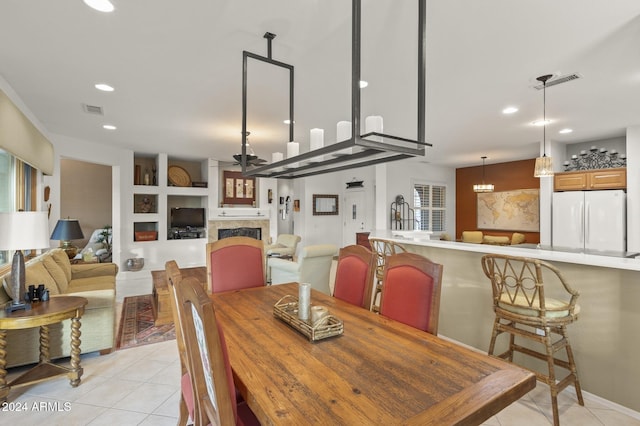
{"x":238,"y":219}
{"x":224,"y":213}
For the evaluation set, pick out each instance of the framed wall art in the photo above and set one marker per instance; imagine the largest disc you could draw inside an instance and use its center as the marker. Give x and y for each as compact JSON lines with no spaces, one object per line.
{"x":325,"y":204}
{"x":238,"y":189}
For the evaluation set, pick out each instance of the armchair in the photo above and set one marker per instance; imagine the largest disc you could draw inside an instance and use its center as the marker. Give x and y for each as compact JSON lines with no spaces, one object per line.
{"x":285,"y":244}
{"x":313,"y":266}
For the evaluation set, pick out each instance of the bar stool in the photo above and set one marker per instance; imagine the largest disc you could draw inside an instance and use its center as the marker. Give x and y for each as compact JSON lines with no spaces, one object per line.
{"x":382,"y":249}
{"x":522,"y":310}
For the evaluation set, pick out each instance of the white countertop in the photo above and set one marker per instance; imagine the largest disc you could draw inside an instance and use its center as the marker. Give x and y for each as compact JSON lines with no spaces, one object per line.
{"x":420,"y":239}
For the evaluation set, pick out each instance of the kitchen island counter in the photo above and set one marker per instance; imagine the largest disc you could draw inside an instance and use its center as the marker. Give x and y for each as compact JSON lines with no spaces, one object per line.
{"x":606,"y":337}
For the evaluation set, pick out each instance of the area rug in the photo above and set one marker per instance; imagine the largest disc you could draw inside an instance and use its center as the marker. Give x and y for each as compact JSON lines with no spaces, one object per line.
{"x":136,"y":324}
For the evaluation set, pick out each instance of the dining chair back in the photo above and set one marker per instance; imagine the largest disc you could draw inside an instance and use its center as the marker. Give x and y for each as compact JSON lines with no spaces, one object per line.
{"x":208,"y":360}
{"x":411,"y":291}
{"x":235,"y":263}
{"x":354,"y":275}
{"x":187,"y":407}
{"x":532,"y":300}
{"x":382,"y":249}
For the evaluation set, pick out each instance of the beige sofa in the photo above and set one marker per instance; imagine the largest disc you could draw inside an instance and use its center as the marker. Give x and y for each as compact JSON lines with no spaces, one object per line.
{"x":285,"y":245}
{"x":477,"y":237}
{"x":94,"y":281}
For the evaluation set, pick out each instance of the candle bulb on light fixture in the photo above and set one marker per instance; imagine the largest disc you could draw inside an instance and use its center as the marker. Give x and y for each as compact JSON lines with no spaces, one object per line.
{"x":316,"y":141}
{"x":293,"y":149}
{"x":343,"y":133}
{"x":275,"y":157}
{"x":373,"y":123}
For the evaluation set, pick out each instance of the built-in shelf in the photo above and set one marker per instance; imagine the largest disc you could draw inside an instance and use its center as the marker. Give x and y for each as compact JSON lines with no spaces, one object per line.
{"x":145,"y":203}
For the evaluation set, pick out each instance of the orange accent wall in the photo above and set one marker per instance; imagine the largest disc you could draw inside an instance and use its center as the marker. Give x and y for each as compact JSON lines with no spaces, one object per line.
{"x":504,"y":177}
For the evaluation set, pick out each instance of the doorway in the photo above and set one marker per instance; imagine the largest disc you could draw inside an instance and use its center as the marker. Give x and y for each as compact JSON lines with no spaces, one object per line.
{"x":353,"y":215}
{"x":86,"y":195}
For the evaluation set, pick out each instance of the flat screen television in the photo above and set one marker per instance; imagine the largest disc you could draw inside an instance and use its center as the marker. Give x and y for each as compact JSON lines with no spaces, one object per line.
{"x":187,"y":217}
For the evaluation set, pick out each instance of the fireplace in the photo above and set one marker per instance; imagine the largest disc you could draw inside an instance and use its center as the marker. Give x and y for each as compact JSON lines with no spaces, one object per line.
{"x":240,"y":232}
{"x":220,"y":225}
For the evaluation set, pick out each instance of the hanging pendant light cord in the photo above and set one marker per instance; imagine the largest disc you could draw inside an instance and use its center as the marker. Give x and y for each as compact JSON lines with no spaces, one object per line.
{"x":483,"y":169}
{"x":544,"y":79}
{"x":544,"y":118}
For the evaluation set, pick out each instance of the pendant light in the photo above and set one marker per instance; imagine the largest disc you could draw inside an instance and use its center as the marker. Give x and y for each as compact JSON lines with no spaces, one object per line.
{"x":483,"y":187}
{"x":544,"y":164}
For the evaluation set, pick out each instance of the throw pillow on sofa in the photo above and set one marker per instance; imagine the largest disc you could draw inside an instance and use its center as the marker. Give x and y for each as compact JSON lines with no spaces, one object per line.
{"x":56,"y":272}
{"x":35,"y":274}
{"x":61,"y":258}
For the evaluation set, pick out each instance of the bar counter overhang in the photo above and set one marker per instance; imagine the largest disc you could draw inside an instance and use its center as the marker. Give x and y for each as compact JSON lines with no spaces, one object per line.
{"x":606,"y":337}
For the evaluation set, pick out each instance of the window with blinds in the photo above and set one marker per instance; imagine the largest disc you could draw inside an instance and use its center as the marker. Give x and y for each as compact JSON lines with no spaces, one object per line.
{"x":17,"y":190}
{"x":429,"y":204}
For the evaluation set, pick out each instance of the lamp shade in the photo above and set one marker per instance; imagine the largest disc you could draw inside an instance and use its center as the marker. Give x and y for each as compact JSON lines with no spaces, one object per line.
{"x":24,"y":230}
{"x":544,"y":167}
{"x":66,"y":230}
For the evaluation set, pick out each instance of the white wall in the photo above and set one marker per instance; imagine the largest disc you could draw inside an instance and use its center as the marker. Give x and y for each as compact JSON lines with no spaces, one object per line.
{"x":633,"y":189}
{"x":401,"y":174}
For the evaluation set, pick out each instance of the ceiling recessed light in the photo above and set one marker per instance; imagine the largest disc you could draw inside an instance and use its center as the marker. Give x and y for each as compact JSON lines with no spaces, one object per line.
{"x":541,"y":122}
{"x":509,"y":110}
{"x":100,"y":5}
{"x":289,"y":122}
{"x":363,"y":84}
{"x":109,"y":127}
{"x":563,"y":131}
{"x":104,"y":87}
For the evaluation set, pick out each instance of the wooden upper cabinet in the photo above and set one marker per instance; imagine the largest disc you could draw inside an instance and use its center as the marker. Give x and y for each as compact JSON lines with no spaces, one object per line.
{"x":586,"y":180}
{"x":608,"y":179}
{"x":570,"y":181}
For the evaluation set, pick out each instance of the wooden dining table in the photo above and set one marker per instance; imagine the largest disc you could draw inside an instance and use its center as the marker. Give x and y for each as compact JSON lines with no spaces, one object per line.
{"x":378,"y":372}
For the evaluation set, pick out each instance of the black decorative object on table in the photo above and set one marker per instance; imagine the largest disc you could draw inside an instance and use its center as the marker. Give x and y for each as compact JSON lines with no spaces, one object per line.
{"x":37,"y":294}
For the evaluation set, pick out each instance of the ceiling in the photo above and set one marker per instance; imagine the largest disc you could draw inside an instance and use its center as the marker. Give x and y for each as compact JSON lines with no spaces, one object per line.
{"x":177,"y":72}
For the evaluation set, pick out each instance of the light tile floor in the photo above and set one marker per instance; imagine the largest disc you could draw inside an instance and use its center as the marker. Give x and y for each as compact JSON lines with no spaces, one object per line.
{"x":140,"y":386}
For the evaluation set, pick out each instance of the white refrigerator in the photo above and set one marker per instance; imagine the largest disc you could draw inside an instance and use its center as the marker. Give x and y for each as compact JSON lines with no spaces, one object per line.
{"x":589,"y":220}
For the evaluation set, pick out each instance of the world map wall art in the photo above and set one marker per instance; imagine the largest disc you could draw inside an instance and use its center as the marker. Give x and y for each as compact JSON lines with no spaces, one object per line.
{"x":517,"y":210}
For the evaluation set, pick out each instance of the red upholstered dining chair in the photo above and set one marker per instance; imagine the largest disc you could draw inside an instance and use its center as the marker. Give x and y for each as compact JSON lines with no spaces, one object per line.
{"x":174,"y":278}
{"x":411,"y":291}
{"x":235,"y":263}
{"x":354,"y":275}
{"x":208,"y":361}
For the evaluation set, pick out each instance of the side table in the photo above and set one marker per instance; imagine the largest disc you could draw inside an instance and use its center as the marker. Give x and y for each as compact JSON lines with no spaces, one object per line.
{"x":43,"y":314}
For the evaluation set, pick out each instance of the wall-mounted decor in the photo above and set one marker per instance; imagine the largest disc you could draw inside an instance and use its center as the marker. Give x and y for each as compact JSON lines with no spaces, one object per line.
{"x":238,"y":189}
{"x":595,"y":159}
{"x":517,"y":210}
{"x":325,"y":204}
{"x":296,"y":205}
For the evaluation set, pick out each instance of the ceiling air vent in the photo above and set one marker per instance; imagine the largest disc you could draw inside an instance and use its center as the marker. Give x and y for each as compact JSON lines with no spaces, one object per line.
{"x":92,"y":109}
{"x":559,"y":80}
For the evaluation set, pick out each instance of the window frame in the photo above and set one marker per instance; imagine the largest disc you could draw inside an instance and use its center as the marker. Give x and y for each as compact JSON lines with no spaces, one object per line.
{"x":21,"y":179}
{"x":419,"y":209}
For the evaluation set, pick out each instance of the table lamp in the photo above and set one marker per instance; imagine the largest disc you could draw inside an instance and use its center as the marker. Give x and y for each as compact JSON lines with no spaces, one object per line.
{"x":22,"y":231}
{"x":65,"y":231}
